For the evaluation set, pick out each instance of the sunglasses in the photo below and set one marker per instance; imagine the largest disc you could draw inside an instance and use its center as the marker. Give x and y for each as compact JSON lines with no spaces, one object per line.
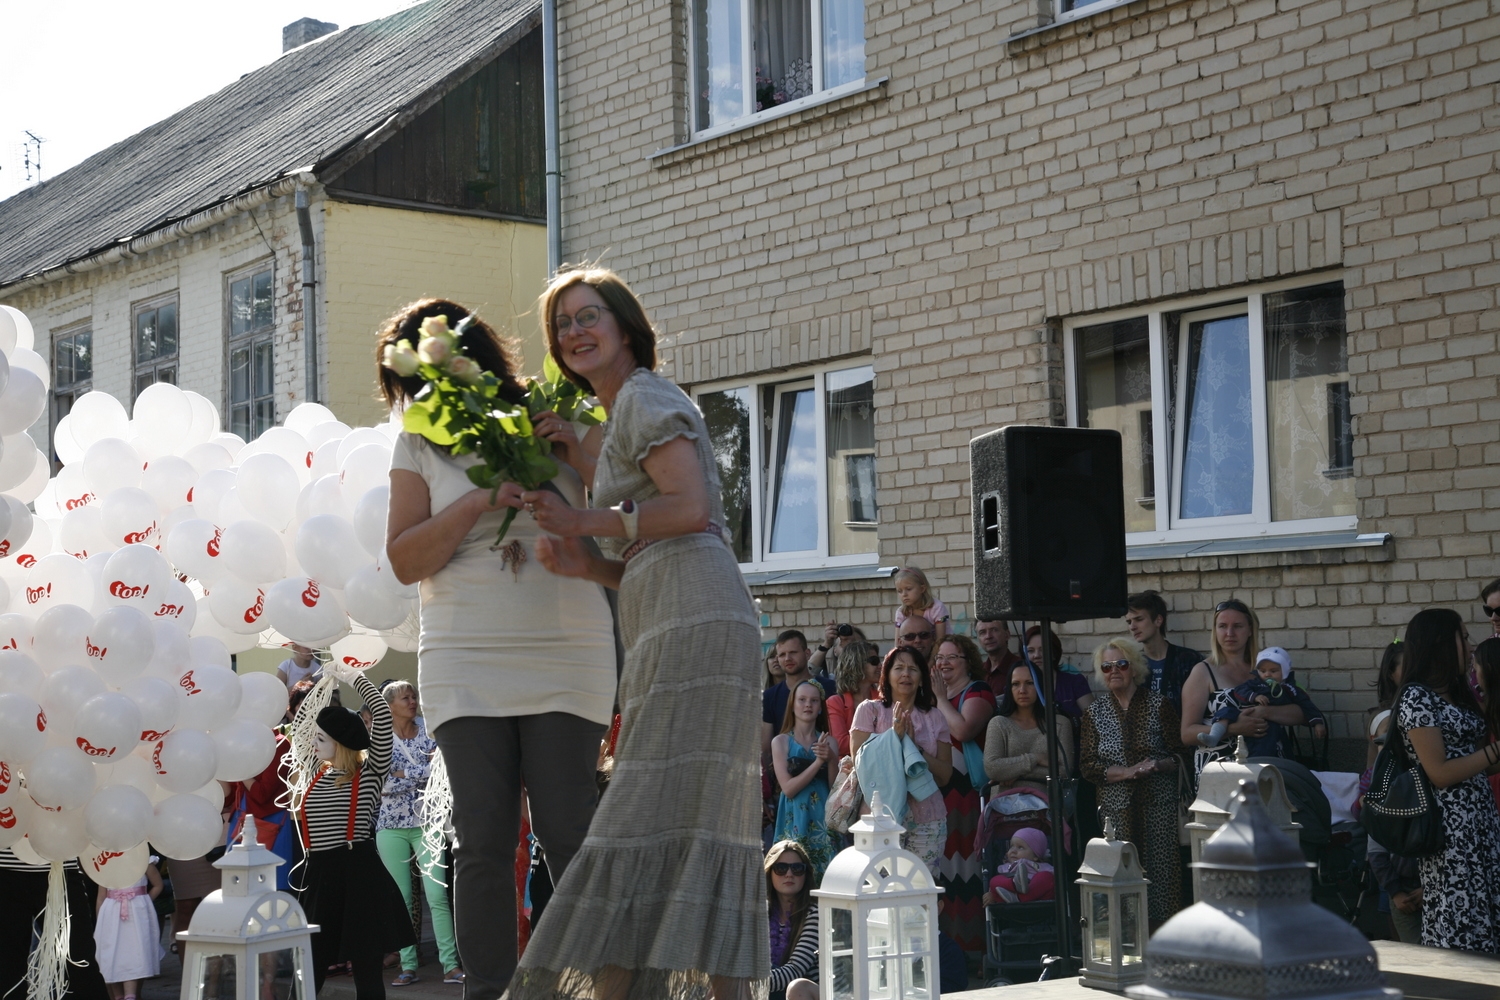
{"x":1115,"y":666}
{"x":914,"y":636}
{"x":1489,"y":612}
{"x":1239,"y":606}
{"x":873,"y":661}
{"x":789,"y":868}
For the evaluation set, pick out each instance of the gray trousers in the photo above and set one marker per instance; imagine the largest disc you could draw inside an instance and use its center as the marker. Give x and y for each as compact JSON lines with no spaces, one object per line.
{"x":554,"y":756}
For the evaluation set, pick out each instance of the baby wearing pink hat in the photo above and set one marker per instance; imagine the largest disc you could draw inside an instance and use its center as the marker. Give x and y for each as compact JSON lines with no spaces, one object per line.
{"x":1025,"y":877}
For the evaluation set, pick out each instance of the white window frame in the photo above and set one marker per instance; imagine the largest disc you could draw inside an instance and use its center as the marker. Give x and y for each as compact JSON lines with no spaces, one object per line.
{"x":1167,"y":440}
{"x":785,"y":381}
{"x":747,"y":73}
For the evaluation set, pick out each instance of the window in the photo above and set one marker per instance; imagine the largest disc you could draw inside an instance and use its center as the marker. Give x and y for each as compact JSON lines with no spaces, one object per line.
{"x":72,"y":369}
{"x":1233,"y":411}
{"x":796,"y":460}
{"x":252,"y":393}
{"x":749,"y":56}
{"x":155,"y":342}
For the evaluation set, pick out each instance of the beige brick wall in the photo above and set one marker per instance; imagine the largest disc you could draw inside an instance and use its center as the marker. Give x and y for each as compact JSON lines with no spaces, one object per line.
{"x":946,"y":222}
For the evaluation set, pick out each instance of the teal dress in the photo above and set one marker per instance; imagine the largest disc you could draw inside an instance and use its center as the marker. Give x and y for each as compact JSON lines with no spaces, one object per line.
{"x":800,"y":817}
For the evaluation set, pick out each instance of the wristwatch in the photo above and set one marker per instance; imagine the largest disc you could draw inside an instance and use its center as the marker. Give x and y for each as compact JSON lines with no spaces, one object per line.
{"x":630,"y":517}
{"x":822,"y":648}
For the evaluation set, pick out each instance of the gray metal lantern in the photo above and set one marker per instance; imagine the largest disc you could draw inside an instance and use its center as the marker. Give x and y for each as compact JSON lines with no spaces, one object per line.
{"x":1218,"y":790}
{"x":1255,"y":932}
{"x":1115,"y":927}
{"x":877,"y":917}
{"x":247,"y":941}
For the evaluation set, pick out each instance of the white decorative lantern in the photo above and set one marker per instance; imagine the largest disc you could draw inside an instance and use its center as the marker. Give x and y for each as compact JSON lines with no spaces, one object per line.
{"x":248,"y":941}
{"x":1218,"y":791}
{"x":1115,"y":927}
{"x":877,"y":917}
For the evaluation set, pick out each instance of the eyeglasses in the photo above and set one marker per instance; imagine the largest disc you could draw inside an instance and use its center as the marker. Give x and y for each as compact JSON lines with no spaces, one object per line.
{"x":585,"y":319}
{"x":914,"y":636}
{"x":1239,"y":606}
{"x":1115,"y":666}
{"x":789,"y":868}
{"x":948,"y":659}
{"x":1489,"y":612}
{"x":873,"y":661}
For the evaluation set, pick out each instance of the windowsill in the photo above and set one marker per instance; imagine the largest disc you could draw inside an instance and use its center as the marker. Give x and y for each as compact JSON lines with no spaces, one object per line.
{"x":1251,"y":546}
{"x":762,"y":122}
{"x":1075,"y":16}
{"x":827,"y":574}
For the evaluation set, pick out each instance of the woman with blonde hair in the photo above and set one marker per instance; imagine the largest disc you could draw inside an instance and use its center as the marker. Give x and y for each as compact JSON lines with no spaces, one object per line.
{"x":1231,"y":662}
{"x":1130,"y":742}
{"x":666,"y":898}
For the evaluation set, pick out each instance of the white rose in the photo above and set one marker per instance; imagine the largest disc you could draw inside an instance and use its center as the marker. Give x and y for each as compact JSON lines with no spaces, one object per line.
{"x":434,"y":350}
{"x":401,"y":359}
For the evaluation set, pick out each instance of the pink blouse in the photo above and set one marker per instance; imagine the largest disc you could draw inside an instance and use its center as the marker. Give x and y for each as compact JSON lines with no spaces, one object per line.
{"x":928,"y":729}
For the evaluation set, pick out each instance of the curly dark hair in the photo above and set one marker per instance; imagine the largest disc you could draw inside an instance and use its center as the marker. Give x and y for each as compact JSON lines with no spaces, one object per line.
{"x":924,"y":699}
{"x":480,"y":342}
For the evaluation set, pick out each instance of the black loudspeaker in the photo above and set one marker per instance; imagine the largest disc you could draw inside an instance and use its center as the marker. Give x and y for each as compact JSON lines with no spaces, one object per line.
{"x":1049,"y":523}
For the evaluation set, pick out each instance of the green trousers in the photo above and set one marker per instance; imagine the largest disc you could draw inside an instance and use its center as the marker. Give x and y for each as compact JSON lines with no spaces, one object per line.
{"x":396,"y":849}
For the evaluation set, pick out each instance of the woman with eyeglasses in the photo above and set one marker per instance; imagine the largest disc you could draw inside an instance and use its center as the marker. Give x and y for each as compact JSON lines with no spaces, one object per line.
{"x":665,"y":897}
{"x":793,"y":917}
{"x":1130,"y":743}
{"x":857,"y":677}
{"x":968,"y":704}
{"x":1233,"y":644}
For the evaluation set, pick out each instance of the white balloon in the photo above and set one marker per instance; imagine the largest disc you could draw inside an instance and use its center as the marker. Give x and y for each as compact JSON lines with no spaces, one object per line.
{"x":10,"y":318}
{"x":305,"y":416}
{"x":111,"y":464}
{"x":116,"y":869}
{"x":16,"y":806}
{"x":118,"y":817}
{"x":253,"y":552}
{"x":371,"y":603}
{"x":131,"y":769}
{"x":24,"y":852}
{"x":83,"y":533}
{"x":186,"y":827}
{"x":211,"y":696}
{"x":36,"y":481}
{"x":207,"y":456}
{"x":287,"y":443}
{"x":4,"y":596}
{"x":365,"y":468}
{"x":58,"y":836}
{"x":16,"y":632}
{"x":208,"y":651}
{"x":238,"y":605}
{"x":20,"y":527}
{"x":304,"y":612}
{"x":24,"y":357}
{"x":268,"y":487}
{"x":263,"y":698}
{"x":21,"y":674}
{"x":159,"y":704}
{"x":209,"y":493}
{"x":231,"y":443}
{"x":17,"y":460}
{"x":183,"y":512}
{"x":136,"y":576}
{"x":319,"y":435}
{"x":322,"y":496}
{"x":232,"y":511}
{"x":23,"y":730}
{"x":61,"y":637}
{"x":196,"y":548}
{"x":162,"y":413}
{"x":244,"y":747}
{"x":369,"y":518}
{"x":60,"y":778}
{"x":96,"y":416}
{"x":404,"y":637}
{"x":69,"y":451}
{"x":121,"y":643}
{"x":358,"y":438}
{"x":329,"y":550}
{"x":205,"y":420}
{"x":23,"y":401}
{"x":66,"y":690}
{"x":178,"y":605}
{"x":169,"y":480}
{"x":130,"y":516}
{"x":107,"y":726}
{"x":359,"y":650}
{"x":184,"y":759}
{"x":58,"y":579}
{"x":386,"y":577}
{"x":326,"y":459}
{"x":25,"y":335}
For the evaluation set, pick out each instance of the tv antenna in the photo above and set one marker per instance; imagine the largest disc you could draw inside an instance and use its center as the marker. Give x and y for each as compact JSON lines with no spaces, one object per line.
{"x":33,"y":155}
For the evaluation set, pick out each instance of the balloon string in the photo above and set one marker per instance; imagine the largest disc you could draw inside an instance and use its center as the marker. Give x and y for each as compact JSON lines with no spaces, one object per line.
{"x":303,"y":734}
{"x":435,"y":811}
{"x":47,"y":968}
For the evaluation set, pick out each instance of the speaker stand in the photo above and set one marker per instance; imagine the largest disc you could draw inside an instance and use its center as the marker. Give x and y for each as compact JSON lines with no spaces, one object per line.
{"x":1062,"y":881}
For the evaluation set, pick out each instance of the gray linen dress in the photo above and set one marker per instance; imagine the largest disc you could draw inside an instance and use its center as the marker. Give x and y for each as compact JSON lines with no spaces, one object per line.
{"x":669,"y":883}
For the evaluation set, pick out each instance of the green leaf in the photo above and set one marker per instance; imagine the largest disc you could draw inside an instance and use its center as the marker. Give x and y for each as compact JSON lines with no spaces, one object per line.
{"x":550,"y":370}
{"x":591,"y":417}
{"x":483,"y":476}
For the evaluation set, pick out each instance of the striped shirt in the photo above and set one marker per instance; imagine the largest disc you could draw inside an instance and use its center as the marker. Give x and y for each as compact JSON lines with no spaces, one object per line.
{"x":802,"y":962}
{"x":10,"y":862}
{"x":330,"y":815}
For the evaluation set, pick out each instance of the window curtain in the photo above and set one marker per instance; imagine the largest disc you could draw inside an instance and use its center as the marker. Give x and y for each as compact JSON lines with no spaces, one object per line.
{"x":1218,"y":461}
{"x":843,"y":41}
{"x":783,"y":51}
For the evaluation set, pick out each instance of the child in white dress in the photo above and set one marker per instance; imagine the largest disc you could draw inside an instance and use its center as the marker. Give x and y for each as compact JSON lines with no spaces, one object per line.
{"x":127,"y":937}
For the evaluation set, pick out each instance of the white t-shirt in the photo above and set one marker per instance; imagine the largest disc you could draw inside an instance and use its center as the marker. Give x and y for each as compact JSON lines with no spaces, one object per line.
{"x":295,"y":674}
{"x":499,"y":640}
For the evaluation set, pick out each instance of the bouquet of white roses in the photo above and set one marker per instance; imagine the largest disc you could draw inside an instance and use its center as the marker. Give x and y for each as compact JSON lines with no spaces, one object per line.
{"x":460,"y":409}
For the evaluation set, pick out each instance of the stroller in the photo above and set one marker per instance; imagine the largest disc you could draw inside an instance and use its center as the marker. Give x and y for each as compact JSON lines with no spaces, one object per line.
{"x":1017,"y":935}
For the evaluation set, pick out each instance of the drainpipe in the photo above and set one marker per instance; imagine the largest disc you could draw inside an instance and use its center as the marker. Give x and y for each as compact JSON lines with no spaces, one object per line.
{"x":553,"y":142}
{"x":309,"y":293}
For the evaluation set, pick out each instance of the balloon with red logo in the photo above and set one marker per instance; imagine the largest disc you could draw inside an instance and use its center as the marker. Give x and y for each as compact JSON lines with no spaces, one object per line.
{"x":16,"y":632}
{"x":60,"y":637}
{"x":60,"y":778}
{"x":116,"y":869}
{"x":23,"y":727}
{"x":186,"y":827}
{"x":195,"y":547}
{"x":304,"y":611}
{"x":244,"y":746}
{"x":66,"y":690}
{"x":14,"y":806}
{"x":169,"y":480}
{"x":253,"y":552}
{"x":210,"y":694}
{"x":107,"y":726}
{"x":136,"y":576}
{"x":238,"y":606}
{"x":159,"y":704}
{"x":120,"y":643}
{"x":263,"y":698}
{"x":177,"y":605}
{"x":359,"y":650}
{"x":130,"y":517}
{"x":184,"y":760}
{"x":24,"y":547}
{"x":57,"y":579}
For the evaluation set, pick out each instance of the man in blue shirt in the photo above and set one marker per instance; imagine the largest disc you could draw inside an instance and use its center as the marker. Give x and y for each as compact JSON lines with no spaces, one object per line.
{"x":1146,"y":618}
{"x":792,"y":653}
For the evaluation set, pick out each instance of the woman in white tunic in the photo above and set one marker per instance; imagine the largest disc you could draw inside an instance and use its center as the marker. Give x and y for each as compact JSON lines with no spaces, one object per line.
{"x":516,"y":665}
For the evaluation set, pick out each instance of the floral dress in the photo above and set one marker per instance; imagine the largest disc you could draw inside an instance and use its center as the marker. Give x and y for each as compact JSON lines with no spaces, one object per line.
{"x":1460,"y":886}
{"x":800,"y":817}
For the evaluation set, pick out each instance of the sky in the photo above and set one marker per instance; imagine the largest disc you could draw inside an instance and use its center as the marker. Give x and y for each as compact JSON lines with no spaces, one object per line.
{"x":84,"y":74}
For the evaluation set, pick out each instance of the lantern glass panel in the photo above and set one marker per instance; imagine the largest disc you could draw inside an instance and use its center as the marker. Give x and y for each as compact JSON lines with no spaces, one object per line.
{"x":843,"y":977}
{"x":880,"y":938}
{"x":217,"y":978}
{"x":280,"y":975}
{"x":843,"y":929}
{"x":882,"y":984}
{"x":1131,"y":931}
{"x":913,"y":930}
{"x":1099,"y":948}
{"x":914,"y":970}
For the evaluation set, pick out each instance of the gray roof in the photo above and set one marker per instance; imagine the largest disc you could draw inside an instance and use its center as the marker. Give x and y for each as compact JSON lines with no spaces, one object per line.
{"x":312,"y":108}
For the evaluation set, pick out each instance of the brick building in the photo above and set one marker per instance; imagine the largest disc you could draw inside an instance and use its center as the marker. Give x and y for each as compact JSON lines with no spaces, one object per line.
{"x":869,"y":231}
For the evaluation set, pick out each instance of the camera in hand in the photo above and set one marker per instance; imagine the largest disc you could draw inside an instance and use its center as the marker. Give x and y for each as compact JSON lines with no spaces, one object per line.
{"x":846,"y":630}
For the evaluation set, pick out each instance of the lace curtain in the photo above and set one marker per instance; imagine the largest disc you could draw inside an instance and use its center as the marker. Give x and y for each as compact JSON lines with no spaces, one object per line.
{"x":783,"y":51}
{"x":1218,"y":461}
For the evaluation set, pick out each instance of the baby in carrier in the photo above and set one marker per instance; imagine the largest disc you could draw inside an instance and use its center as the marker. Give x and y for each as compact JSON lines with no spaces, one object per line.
{"x":1271,"y":685}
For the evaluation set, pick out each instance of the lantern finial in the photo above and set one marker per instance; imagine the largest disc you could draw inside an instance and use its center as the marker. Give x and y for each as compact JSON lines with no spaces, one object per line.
{"x":1241,"y":750}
